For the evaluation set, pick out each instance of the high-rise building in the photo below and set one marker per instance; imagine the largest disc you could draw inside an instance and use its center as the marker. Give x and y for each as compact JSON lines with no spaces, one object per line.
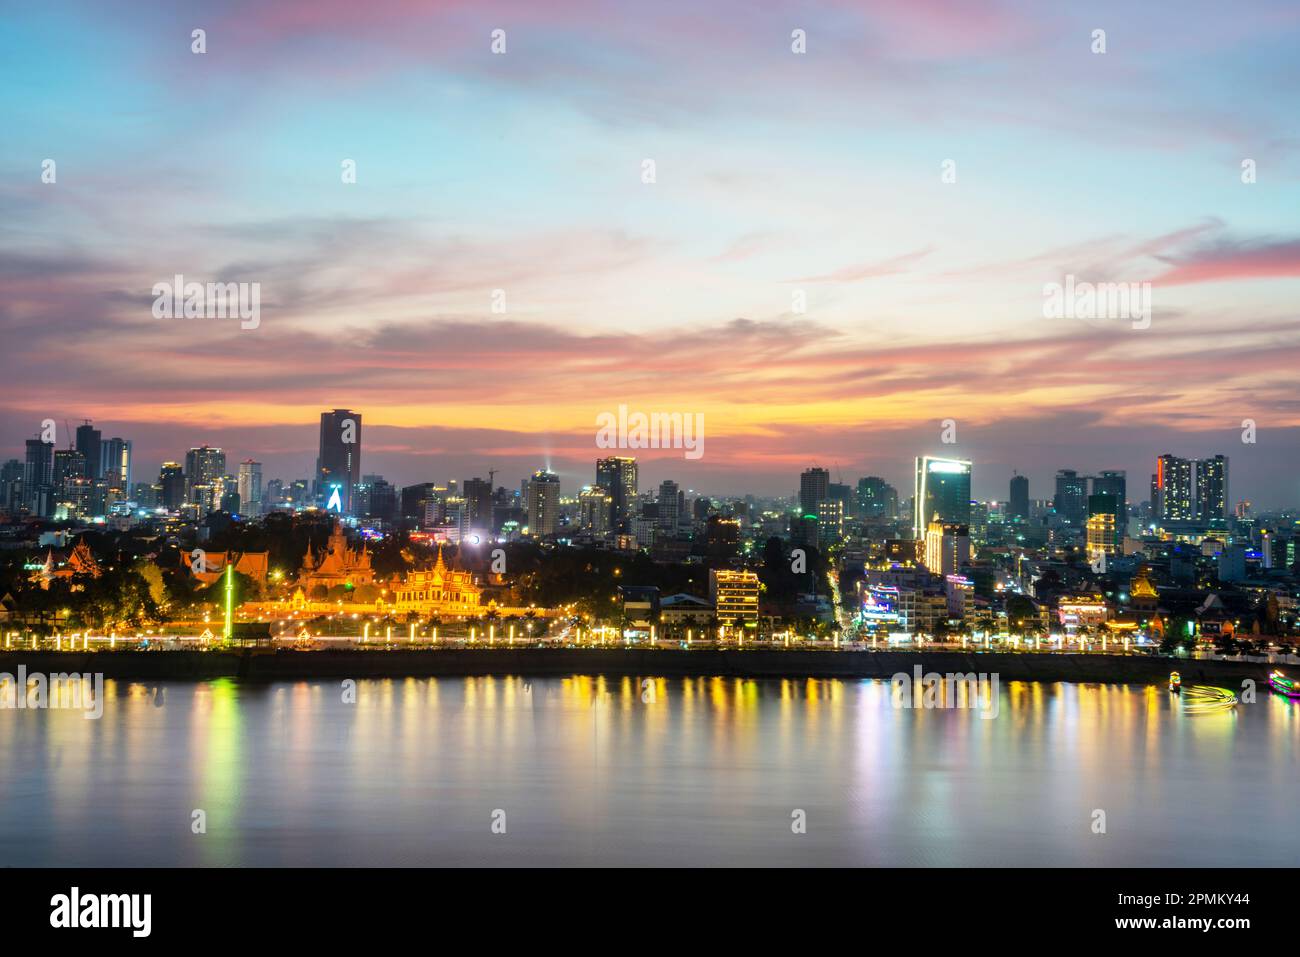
{"x":1071,"y":499}
{"x":38,"y":477}
{"x":877,"y":499}
{"x":1115,"y":484}
{"x":1211,"y":489}
{"x":670,"y":496}
{"x":250,"y":486}
{"x":594,"y":510}
{"x":88,"y":444}
{"x":543,"y":503}
{"x":942,"y":492}
{"x":1018,"y":502}
{"x":115,"y":462}
{"x":947,"y":547}
{"x":477,"y":493}
{"x":814,"y":487}
{"x":203,"y":466}
{"x":617,"y":475}
{"x":338,"y":465}
{"x":171,"y":482}
{"x":1175,"y":489}
{"x":830,"y":521}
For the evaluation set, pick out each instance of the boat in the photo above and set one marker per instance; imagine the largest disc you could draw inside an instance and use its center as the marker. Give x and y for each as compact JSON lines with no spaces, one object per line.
{"x":1175,"y":681}
{"x":1283,"y":685}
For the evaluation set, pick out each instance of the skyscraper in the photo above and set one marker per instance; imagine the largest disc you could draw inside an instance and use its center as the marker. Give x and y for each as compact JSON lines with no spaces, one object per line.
{"x":1115,"y":484}
{"x":115,"y":462}
{"x":669,"y":498}
{"x":1071,"y":498}
{"x":543,"y":503}
{"x":171,"y":478}
{"x":478,"y":504}
{"x":38,"y":476}
{"x":814,"y":487}
{"x":1175,"y":488}
{"x":204,"y":465}
{"x":617,"y":475}
{"x":942,"y":492}
{"x":88,"y":444}
{"x":1018,"y":506}
{"x":250,"y":487}
{"x":877,"y":498}
{"x":594,"y":505}
{"x":339,"y":463}
{"x":1211,"y":489}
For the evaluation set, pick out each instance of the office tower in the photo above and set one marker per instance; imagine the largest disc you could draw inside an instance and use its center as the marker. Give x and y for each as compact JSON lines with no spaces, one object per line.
{"x":203,"y":466}
{"x":947,"y":547}
{"x":338,"y":466}
{"x":830,"y":521}
{"x":1211,"y":489}
{"x":38,"y":474}
{"x":837,"y":492}
{"x":250,"y":486}
{"x":477,"y":493}
{"x":814,"y":487}
{"x":171,"y":481}
{"x":670,"y":497}
{"x":543,"y":503}
{"x":1175,"y":489}
{"x":1071,"y":499}
{"x":617,"y":475}
{"x":877,"y":499}
{"x":375,"y":498}
{"x":68,"y":464}
{"x":1115,"y":484}
{"x":942,"y":492}
{"x":594,"y":510}
{"x":1103,"y":530}
{"x":415,"y":501}
{"x":1018,"y":504}
{"x":88,"y":444}
{"x":734,"y":596}
{"x":115,"y":462}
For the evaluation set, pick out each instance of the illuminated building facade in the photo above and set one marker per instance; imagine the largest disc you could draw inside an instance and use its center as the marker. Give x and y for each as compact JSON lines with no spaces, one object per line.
{"x":942,"y":492}
{"x":617,"y":475}
{"x":338,"y":564}
{"x":338,"y":464}
{"x":439,"y":590}
{"x":947,"y":548}
{"x":543,"y":503}
{"x":735,"y":596}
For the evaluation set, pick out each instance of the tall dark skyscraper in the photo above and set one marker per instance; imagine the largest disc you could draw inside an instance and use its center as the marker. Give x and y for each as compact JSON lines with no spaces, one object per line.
{"x":942,"y":492}
{"x":1071,"y":499}
{"x":876,"y":498}
{"x":115,"y":462}
{"x":1115,"y":484}
{"x":478,"y":501}
{"x":38,"y":477}
{"x":617,"y":475}
{"x":171,"y":478}
{"x":1018,"y":504}
{"x":1211,"y":489}
{"x":88,"y":444}
{"x":339,"y":463}
{"x":814,"y":486}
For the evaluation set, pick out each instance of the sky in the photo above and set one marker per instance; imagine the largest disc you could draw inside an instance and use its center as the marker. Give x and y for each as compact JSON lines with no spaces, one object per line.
{"x":916,"y":177}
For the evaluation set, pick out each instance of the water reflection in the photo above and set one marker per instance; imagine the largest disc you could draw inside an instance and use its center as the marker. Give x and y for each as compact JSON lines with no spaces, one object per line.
{"x":649,"y":771}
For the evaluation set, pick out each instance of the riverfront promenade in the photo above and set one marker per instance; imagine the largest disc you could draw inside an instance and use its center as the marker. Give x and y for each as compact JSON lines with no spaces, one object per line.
{"x":283,"y":664}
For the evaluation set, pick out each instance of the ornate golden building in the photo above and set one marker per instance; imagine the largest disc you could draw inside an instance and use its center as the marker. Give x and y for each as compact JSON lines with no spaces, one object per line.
{"x":336,"y":565}
{"x":439,"y":590}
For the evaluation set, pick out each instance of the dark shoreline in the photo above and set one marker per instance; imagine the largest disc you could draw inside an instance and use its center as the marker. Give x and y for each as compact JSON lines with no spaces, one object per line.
{"x":620,"y":662}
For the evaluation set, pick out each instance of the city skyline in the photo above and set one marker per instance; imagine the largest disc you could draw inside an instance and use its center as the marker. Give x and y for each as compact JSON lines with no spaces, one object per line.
{"x":923,"y":299}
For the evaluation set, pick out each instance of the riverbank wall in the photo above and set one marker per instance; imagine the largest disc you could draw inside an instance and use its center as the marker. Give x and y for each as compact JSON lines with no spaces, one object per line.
{"x":282,"y":665}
